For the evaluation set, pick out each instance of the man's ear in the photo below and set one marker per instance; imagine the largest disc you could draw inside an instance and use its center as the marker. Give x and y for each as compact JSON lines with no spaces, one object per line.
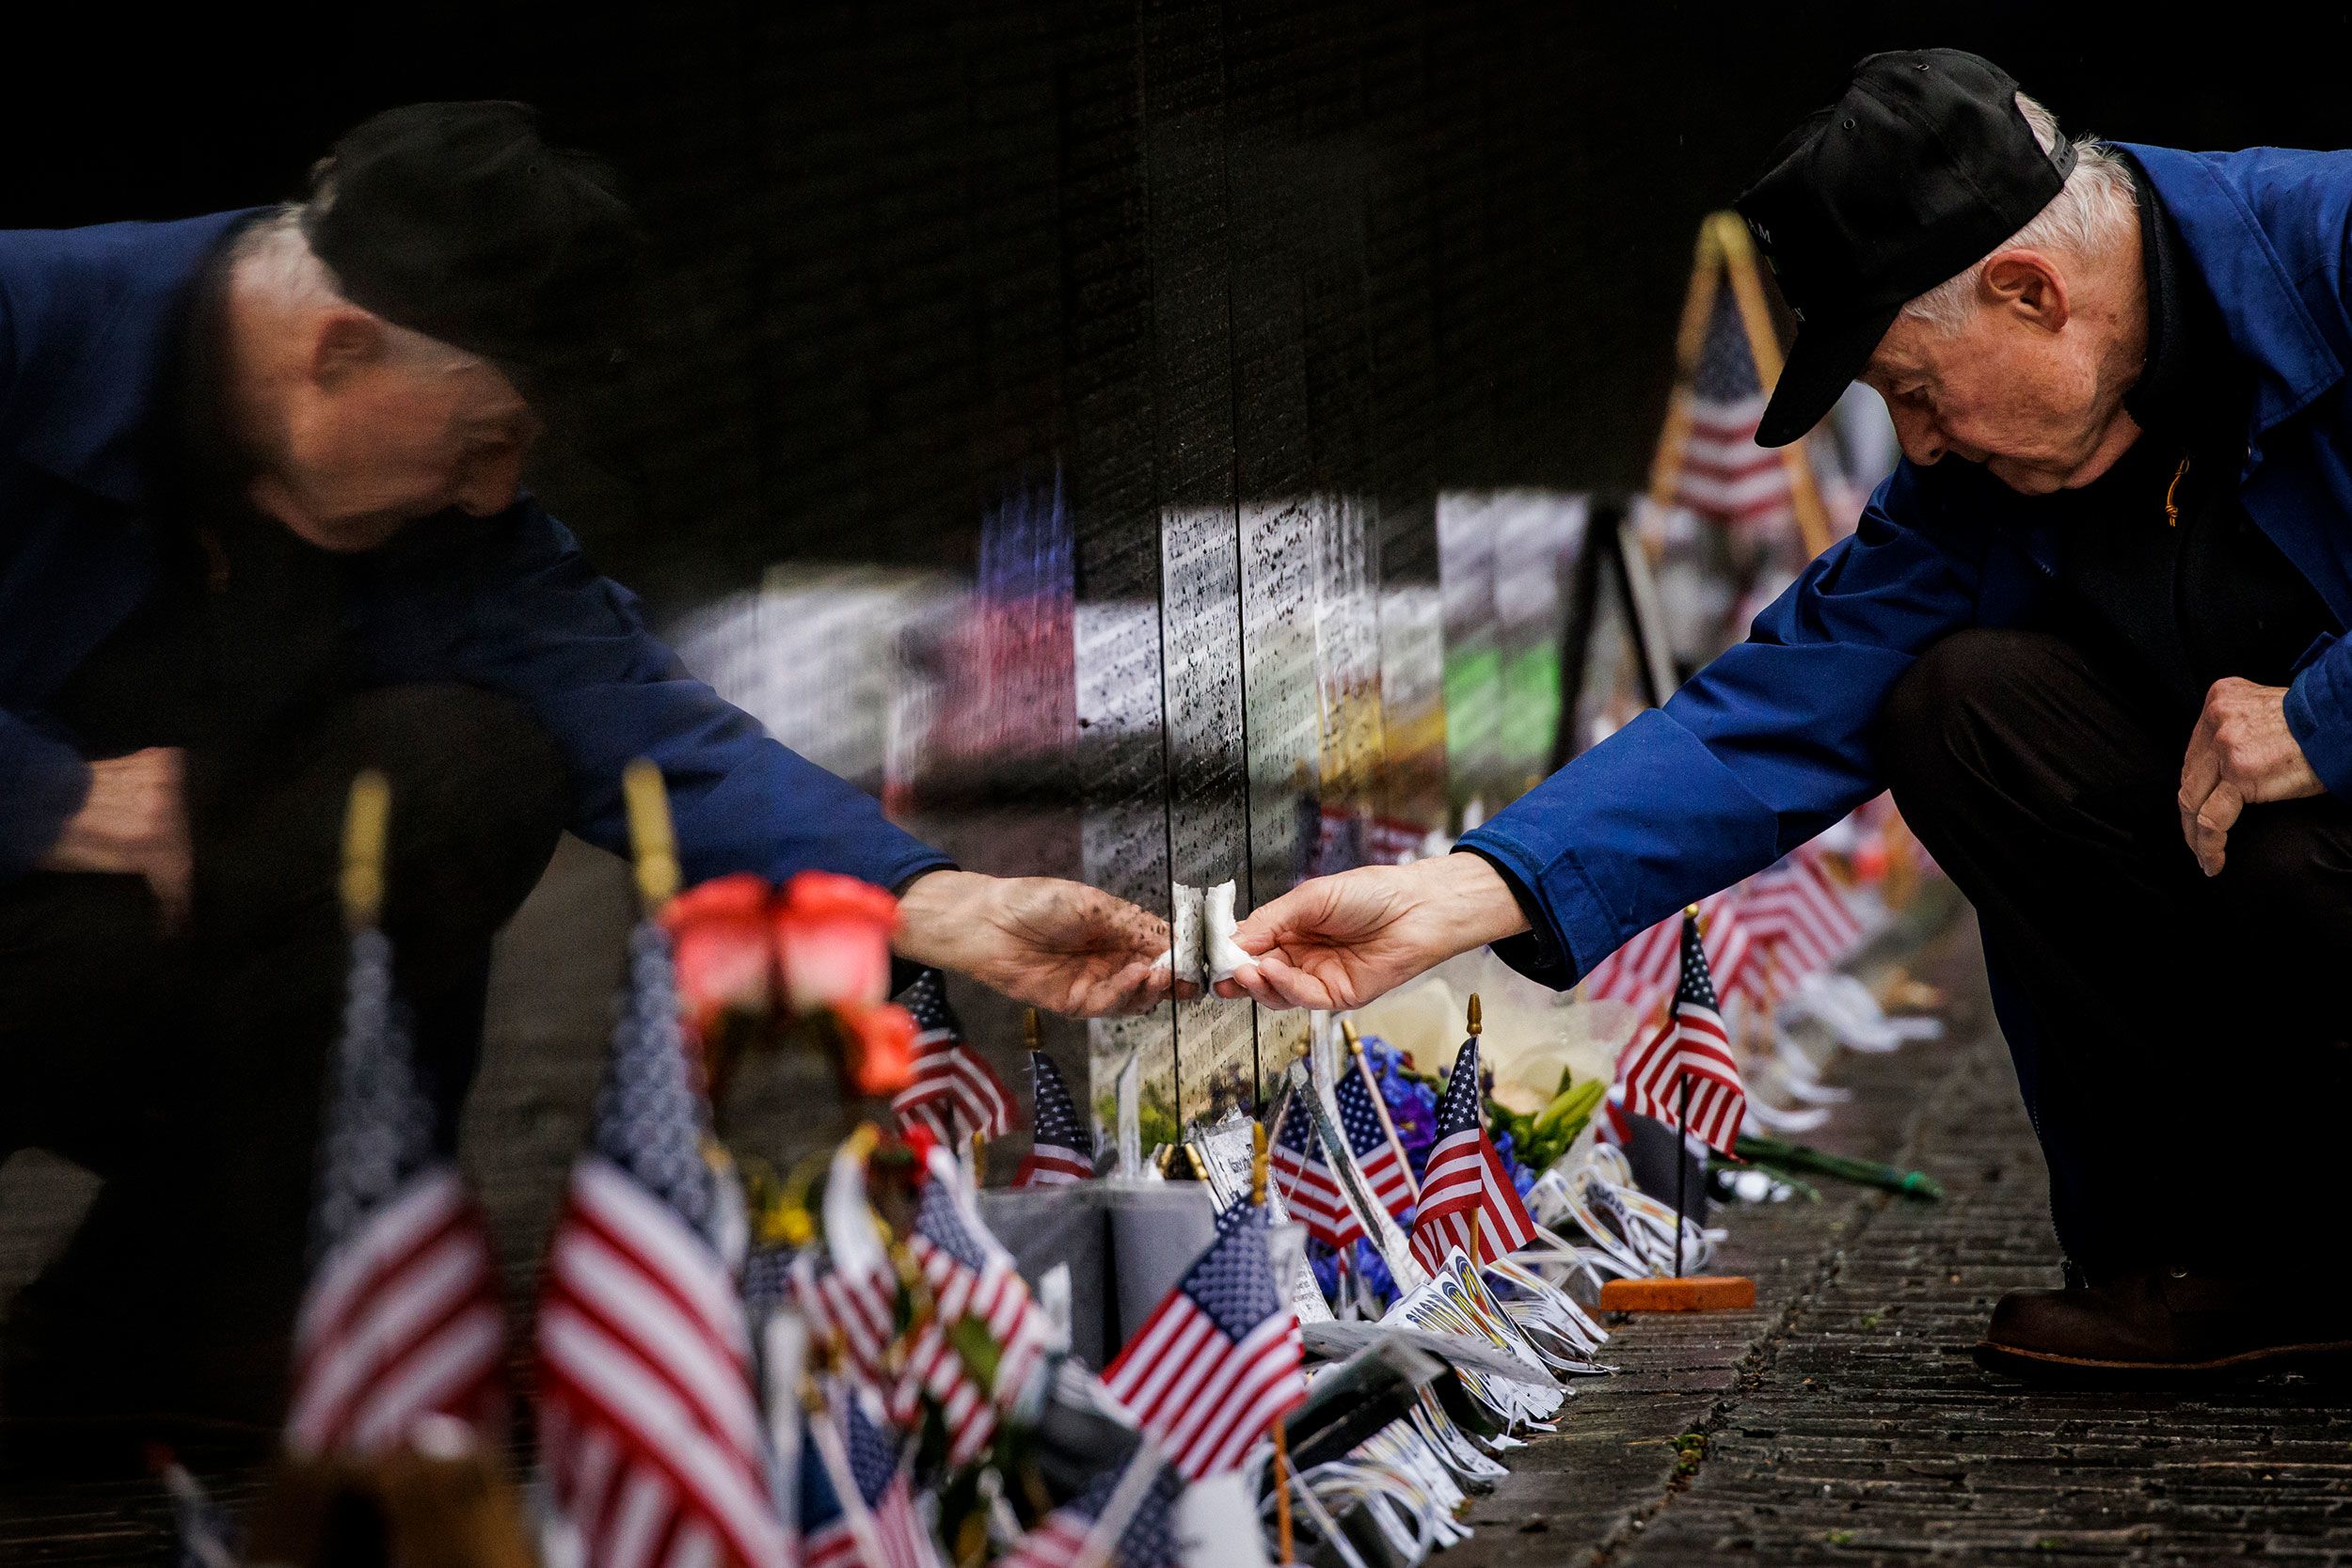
{"x":345,"y":340}
{"x":2027,"y":285}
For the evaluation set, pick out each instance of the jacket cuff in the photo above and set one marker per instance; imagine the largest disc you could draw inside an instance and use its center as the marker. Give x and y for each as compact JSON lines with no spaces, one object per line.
{"x":2320,"y":719}
{"x":43,"y":782}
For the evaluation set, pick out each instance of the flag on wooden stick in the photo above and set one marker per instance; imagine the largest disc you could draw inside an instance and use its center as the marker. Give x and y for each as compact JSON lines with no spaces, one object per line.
{"x":1723,"y":474}
{"x":401,"y":1321}
{"x":955,"y":1092}
{"x":1061,"y":1143}
{"x":857,"y":1505}
{"x":1217,"y":1361}
{"x":1125,"y":1518}
{"x":844,"y":1284}
{"x":1377,"y":1153}
{"x":1467,"y":1199}
{"x":648,"y":1427}
{"x":1637,"y":972}
{"x":1799,"y":915}
{"x":1309,"y":1189}
{"x":1685,"y":1075}
{"x":973,"y":1281}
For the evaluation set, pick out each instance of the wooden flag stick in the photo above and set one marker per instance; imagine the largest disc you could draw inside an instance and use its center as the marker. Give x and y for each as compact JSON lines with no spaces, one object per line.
{"x":1747,"y":292}
{"x":1478,"y":1113}
{"x":651,"y":841}
{"x":1379,"y":1106}
{"x":1677,"y":1292}
{"x":1281,"y":1436}
{"x":1682,"y":1168}
{"x":1698,"y":302}
{"x":365,"y":826}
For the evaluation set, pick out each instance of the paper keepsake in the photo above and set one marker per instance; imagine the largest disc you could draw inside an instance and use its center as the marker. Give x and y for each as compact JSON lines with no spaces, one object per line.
{"x":1218,"y":925}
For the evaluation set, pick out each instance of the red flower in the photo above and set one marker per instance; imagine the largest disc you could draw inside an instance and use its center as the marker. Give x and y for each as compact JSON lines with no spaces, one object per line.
{"x":833,"y":938}
{"x":880,"y":1049}
{"x":724,"y":965}
{"x":920,"y":1140}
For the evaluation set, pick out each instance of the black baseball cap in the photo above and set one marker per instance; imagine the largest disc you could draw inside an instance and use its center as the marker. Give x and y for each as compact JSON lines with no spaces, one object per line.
{"x":1917,"y":174}
{"x":461,"y":222}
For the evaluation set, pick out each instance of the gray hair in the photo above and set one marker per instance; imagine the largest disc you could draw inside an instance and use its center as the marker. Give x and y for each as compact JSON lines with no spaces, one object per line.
{"x":2089,"y":214}
{"x":273,"y":254}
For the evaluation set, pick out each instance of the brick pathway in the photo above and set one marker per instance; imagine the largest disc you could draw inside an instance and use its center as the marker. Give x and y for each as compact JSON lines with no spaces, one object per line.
{"x":1839,"y":1422}
{"x":1842,"y":1422}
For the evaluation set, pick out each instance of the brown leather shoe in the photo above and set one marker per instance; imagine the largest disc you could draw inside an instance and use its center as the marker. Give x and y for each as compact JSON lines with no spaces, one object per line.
{"x":2164,"y":1324}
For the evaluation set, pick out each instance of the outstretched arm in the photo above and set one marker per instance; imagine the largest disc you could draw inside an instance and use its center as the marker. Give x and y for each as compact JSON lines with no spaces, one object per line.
{"x":1338,"y":942}
{"x":1056,"y":945}
{"x":1759,"y":752}
{"x":512,"y":604}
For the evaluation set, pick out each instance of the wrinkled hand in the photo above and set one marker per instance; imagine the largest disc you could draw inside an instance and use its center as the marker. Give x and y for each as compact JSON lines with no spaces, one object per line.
{"x":135,"y":821}
{"x":1339,"y":941}
{"x":1055,"y":945}
{"x":2240,"y":754}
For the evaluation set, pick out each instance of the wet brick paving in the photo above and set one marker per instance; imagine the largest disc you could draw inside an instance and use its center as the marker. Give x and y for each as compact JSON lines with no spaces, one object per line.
{"x":1842,"y":1423}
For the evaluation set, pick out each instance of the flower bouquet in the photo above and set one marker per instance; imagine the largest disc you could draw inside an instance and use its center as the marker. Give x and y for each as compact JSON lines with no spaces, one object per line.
{"x":805,"y":965}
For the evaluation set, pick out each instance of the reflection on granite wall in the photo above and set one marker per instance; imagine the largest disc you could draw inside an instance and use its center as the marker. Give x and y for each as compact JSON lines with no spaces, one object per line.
{"x":1208,"y":607}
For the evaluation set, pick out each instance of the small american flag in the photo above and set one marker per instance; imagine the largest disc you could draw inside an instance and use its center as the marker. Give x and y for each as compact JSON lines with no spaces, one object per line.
{"x":1061,"y":1147}
{"x":1724,"y":474}
{"x":1616,"y":1126}
{"x":1689,"y":1061}
{"x":969,"y":1274}
{"x":1799,"y":915}
{"x":855,"y":1313}
{"x":1641,"y":972}
{"x":648,"y":1426}
{"x":1463,"y":1177}
{"x":1217,"y":1361}
{"x":401,"y":1321}
{"x":1309,"y":1189}
{"x":1377,"y":1154}
{"x":1125,"y":1519}
{"x":955,"y":1093}
{"x":1735,"y":954}
{"x":858,"y":1508}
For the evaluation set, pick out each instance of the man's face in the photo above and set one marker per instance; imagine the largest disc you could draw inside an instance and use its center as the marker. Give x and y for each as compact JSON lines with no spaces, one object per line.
{"x":377,"y":438}
{"x":2022,"y":388}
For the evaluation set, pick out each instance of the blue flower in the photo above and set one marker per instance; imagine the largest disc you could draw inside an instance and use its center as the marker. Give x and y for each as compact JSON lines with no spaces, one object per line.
{"x":1375,"y":1273}
{"x":1521,"y":1178}
{"x":1326,"y":1266}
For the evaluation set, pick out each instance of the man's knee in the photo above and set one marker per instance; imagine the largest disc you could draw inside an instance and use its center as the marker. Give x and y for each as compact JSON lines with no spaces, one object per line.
{"x":1942,"y":716}
{"x":479,"y":794}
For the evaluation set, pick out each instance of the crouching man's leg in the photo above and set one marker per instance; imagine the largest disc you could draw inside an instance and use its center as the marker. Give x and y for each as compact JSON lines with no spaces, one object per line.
{"x":2131,"y":989}
{"x":179,"y":1289}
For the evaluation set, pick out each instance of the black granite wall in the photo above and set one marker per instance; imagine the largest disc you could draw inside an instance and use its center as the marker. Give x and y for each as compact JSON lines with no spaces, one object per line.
{"x":1186,"y":246}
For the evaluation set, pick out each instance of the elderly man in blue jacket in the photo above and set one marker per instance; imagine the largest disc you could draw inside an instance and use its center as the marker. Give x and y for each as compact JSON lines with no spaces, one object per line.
{"x":2088,"y":634}
{"x":259,"y":525}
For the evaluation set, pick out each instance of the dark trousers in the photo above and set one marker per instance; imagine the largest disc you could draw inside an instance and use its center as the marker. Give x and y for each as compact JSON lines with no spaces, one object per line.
{"x":186,"y":1071}
{"x":2182,"y":1041}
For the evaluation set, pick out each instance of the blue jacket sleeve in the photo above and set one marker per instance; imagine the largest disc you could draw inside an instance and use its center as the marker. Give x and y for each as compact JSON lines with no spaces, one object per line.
{"x":1756,"y":753}
{"x":2319,"y":716}
{"x":43,"y":782}
{"x":532,"y":618}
